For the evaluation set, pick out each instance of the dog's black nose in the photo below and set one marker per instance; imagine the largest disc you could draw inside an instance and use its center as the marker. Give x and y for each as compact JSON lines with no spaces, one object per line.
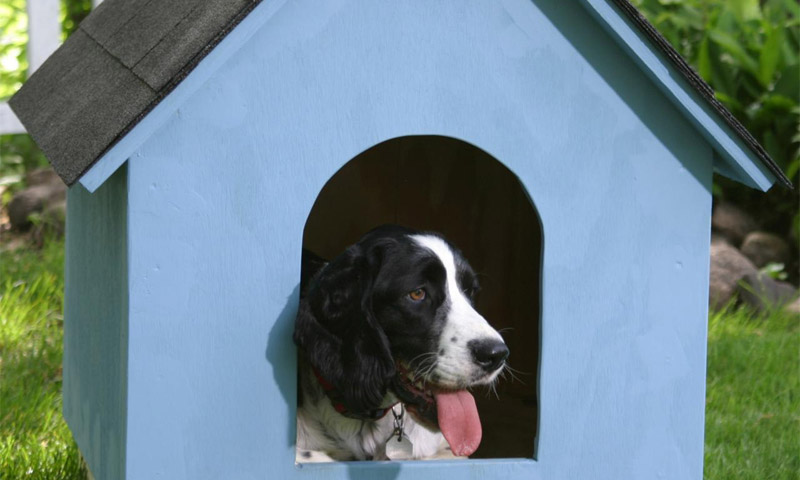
{"x":489,"y":354}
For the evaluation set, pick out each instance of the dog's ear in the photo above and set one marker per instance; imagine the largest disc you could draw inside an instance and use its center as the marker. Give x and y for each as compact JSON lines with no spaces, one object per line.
{"x":339,"y":334}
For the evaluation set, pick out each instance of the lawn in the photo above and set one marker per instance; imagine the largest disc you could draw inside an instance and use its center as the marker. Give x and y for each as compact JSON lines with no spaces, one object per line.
{"x":752,"y":404}
{"x":753,"y":397}
{"x":35,"y":443}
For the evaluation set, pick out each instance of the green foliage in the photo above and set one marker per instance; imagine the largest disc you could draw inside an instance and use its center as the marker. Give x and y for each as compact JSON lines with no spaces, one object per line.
{"x":749,"y":52}
{"x":13,"y":46}
{"x":18,"y":154}
{"x":776,"y":271}
{"x":73,"y":12}
{"x":35,"y":443}
{"x":753,"y":397}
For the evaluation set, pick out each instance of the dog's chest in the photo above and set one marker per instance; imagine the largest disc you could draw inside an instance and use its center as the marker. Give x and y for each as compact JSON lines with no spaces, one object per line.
{"x":321,"y":428}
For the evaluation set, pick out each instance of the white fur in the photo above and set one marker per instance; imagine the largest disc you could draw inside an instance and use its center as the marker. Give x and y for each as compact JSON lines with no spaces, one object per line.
{"x":350,"y":438}
{"x":456,"y":368}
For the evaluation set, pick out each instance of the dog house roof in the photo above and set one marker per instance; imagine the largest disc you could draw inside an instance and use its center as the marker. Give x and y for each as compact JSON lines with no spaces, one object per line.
{"x":128,"y":55}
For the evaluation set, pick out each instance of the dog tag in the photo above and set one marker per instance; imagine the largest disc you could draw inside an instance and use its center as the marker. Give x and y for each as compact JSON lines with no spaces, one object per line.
{"x":399,"y":447}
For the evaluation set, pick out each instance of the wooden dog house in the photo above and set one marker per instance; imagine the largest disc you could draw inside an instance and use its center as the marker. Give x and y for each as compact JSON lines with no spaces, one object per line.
{"x":563,"y":145}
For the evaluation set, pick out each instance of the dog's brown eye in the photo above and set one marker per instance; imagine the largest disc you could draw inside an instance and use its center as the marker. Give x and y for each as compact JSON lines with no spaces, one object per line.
{"x":417,"y":295}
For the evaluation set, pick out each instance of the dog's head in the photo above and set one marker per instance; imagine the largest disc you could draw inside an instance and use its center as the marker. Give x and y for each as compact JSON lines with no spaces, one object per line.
{"x":394,"y":314}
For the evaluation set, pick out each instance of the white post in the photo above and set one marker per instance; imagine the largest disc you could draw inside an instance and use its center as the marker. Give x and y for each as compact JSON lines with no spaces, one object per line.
{"x":9,"y":123}
{"x":44,"y":31}
{"x":44,"y":36}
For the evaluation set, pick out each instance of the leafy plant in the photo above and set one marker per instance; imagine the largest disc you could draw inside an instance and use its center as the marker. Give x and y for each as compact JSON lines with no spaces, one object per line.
{"x":774,"y":270}
{"x":73,"y":12}
{"x":748,"y":51}
{"x":13,"y":46}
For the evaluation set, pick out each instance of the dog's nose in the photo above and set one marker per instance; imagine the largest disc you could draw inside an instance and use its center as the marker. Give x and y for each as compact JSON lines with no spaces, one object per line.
{"x":489,"y":354}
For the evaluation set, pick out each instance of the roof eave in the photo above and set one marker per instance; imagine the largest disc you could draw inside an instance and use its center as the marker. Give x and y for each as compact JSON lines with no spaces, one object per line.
{"x":733,"y":158}
{"x":130,"y":142}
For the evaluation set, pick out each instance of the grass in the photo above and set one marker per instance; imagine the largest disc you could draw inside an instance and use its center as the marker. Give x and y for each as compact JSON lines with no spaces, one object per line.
{"x":35,"y":443}
{"x":752,"y":404}
{"x":753,"y":397}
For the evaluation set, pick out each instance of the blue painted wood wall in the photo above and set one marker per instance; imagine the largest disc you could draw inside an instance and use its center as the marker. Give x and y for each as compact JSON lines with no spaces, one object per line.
{"x":218,"y":197}
{"x":96,"y":323}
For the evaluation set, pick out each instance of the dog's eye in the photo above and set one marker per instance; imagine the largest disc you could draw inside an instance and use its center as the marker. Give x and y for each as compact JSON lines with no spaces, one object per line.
{"x":417,"y":295}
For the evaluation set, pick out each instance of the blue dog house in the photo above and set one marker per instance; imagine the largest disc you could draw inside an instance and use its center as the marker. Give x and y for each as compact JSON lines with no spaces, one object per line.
{"x":563,"y":145}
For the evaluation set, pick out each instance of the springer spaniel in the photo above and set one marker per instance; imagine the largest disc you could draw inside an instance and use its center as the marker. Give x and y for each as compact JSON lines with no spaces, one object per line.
{"x":384,"y":329}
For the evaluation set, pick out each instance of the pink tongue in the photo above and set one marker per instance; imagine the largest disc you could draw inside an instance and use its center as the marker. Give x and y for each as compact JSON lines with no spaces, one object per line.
{"x":459,"y":421}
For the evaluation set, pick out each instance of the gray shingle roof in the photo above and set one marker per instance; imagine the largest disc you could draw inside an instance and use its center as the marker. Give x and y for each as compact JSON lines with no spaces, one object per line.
{"x":120,"y":63}
{"x":129,"y":54}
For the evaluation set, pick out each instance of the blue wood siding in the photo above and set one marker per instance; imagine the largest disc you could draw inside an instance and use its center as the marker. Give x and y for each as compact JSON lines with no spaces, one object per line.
{"x":96,"y":324}
{"x":219,"y":197}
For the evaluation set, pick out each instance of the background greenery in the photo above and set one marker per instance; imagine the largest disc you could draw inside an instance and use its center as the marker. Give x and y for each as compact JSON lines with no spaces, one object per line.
{"x":746,"y":49}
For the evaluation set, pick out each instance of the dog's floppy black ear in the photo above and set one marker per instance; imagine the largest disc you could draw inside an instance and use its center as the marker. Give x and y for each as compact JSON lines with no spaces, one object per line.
{"x":339,"y":334}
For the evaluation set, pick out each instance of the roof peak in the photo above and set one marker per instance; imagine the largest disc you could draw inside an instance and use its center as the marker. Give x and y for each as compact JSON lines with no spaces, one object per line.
{"x":129,"y":55}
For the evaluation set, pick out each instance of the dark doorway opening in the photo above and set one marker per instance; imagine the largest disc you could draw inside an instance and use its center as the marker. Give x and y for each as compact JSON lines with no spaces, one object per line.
{"x":447,"y":185}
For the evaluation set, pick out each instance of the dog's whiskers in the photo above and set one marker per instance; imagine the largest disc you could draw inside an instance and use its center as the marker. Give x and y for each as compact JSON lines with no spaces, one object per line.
{"x":425,"y":372}
{"x":493,"y":388}
{"x":512,"y":373}
{"x":421,"y":358}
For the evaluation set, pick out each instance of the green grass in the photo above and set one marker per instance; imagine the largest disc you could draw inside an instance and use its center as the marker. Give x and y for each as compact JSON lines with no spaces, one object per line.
{"x":752,"y":405}
{"x":35,"y":443}
{"x":753,"y":397}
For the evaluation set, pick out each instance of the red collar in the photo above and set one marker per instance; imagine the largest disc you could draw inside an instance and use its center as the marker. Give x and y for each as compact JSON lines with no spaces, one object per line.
{"x":338,"y":405}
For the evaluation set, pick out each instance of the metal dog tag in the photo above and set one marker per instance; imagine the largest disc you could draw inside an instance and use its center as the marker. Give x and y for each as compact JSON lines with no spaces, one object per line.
{"x":399,"y":447}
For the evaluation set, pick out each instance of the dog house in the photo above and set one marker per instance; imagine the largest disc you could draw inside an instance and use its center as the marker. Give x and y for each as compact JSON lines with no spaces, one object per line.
{"x":564,"y":146}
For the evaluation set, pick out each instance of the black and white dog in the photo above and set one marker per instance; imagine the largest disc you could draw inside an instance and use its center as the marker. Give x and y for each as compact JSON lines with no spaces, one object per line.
{"x":388,"y":327}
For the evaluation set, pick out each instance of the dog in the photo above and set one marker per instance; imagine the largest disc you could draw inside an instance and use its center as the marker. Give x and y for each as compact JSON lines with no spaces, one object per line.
{"x":390,"y":343}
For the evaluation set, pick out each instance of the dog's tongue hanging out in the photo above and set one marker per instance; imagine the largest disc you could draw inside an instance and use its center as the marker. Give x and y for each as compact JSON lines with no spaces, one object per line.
{"x":459,"y":421}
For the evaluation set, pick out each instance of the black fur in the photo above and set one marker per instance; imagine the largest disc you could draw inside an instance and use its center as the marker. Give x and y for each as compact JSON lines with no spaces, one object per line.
{"x":338,"y":332}
{"x":355,"y":304}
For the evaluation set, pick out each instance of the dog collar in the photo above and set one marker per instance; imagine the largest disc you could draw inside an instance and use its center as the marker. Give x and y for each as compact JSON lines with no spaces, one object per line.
{"x":338,"y":405}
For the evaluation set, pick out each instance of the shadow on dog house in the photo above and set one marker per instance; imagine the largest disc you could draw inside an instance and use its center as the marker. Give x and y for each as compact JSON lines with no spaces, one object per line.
{"x":563,"y":145}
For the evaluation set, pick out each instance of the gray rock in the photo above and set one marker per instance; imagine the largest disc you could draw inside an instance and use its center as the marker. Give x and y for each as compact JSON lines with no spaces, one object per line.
{"x":719,"y":238}
{"x":763,"y":248}
{"x":728,"y":266}
{"x":42,"y":176}
{"x":732,"y":222}
{"x":33,"y":200}
{"x":51,"y":222}
{"x":793,"y":307}
{"x":764,"y":293}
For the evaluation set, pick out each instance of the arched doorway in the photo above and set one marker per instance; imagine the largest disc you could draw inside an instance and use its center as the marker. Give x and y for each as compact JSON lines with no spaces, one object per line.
{"x":455,"y":188}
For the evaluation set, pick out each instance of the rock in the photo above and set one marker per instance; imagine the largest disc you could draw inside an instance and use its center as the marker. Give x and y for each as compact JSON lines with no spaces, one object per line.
{"x":793,"y":307}
{"x":51,"y":222}
{"x":764,"y":293}
{"x":728,"y":266}
{"x":763,"y":248}
{"x":41,"y":176}
{"x":719,"y":238}
{"x":732,"y":222}
{"x":33,"y":200}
